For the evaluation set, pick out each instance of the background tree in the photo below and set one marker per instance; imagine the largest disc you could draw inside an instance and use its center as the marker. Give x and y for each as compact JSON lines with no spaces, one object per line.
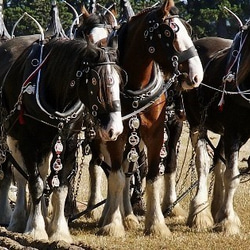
{"x":39,"y":9}
{"x":207,"y":17}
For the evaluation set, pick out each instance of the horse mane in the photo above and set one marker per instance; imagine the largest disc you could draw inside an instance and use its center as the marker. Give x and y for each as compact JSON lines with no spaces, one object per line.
{"x":144,"y":11}
{"x":74,"y":53}
{"x":64,"y":60}
{"x":244,"y":69}
{"x":173,"y":11}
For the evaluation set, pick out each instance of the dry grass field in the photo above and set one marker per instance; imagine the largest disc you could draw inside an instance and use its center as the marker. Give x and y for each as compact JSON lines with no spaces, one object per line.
{"x":84,"y":229}
{"x":182,"y":236}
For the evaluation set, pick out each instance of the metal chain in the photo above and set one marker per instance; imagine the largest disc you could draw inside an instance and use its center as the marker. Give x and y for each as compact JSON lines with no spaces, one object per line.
{"x":3,"y":141}
{"x":191,"y":164}
{"x":205,"y":111}
{"x":79,"y":176}
{"x":211,"y":183}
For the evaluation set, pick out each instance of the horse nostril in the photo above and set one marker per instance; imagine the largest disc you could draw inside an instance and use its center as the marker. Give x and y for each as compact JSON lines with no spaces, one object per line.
{"x":195,"y":80}
{"x":111,"y":133}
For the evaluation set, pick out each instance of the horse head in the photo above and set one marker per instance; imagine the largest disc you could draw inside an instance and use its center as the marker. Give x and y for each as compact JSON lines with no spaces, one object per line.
{"x":104,"y":81}
{"x":96,"y":26}
{"x":167,"y":33}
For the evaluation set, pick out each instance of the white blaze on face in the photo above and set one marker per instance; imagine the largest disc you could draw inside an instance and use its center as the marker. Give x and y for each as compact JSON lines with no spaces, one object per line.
{"x":185,"y":42}
{"x":98,"y":34}
{"x":115,"y":126}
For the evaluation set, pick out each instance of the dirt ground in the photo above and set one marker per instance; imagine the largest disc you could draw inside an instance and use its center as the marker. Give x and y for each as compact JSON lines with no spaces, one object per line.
{"x":84,"y":231}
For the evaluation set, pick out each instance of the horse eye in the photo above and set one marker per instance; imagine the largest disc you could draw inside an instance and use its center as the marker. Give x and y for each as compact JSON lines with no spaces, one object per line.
{"x":174,"y":27}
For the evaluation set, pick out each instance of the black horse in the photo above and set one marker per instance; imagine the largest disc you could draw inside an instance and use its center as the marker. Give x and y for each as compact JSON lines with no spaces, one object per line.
{"x":221,"y":105}
{"x":46,"y":94}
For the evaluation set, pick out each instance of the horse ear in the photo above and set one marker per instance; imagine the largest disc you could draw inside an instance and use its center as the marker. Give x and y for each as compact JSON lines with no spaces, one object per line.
{"x":110,"y":15}
{"x":167,"y":5}
{"x":113,"y":42}
{"x":84,"y":12}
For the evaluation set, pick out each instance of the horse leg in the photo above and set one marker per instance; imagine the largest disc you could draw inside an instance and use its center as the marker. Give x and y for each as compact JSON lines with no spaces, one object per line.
{"x":35,"y":226}
{"x":58,"y":227}
{"x":36,"y":223}
{"x":200,"y":216}
{"x":111,"y":221}
{"x":154,"y":219}
{"x":219,"y":169}
{"x":139,"y":176}
{"x":113,"y":218}
{"x":19,"y":216}
{"x":130,"y":220}
{"x":6,"y":211}
{"x":174,"y":128}
{"x":227,"y":219}
{"x":95,"y":177}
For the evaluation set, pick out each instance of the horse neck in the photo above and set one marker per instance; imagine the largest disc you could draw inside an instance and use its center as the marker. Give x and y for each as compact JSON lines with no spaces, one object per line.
{"x":60,"y":96}
{"x":139,"y":68}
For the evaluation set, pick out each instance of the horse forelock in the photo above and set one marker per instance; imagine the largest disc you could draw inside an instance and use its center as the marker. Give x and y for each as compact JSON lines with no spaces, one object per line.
{"x":90,"y":22}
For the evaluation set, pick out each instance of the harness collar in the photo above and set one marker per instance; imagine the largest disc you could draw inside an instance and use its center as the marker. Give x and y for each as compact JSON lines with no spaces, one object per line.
{"x":36,"y":102}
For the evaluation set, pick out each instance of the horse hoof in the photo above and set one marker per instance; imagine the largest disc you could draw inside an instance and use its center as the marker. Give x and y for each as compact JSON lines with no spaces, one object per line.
{"x":229,"y":226}
{"x":112,"y":230}
{"x":158,"y":230}
{"x":200,"y":222}
{"x":131,"y":222}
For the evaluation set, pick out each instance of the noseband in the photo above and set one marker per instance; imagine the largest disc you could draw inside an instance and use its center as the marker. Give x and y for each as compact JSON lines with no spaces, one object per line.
{"x":162,"y":30}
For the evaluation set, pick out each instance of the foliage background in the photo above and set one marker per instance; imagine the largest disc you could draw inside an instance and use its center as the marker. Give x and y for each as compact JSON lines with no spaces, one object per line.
{"x":207,"y":17}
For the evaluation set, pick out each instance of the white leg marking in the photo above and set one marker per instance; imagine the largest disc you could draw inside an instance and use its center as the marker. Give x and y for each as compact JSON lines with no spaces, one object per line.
{"x":113,"y":213}
{"x":218,"y":193}
{"x":58,"y":228}
{"x":228,"y":220}
{"x":200,"y":217}
{"x":170,"y":197}
{"x":36,"y":224}
{"x":96,"y":182}
{"x":154,"y":221}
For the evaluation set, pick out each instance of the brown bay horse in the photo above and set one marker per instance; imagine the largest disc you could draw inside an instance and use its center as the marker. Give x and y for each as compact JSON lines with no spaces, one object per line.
{"x":151,"y":42}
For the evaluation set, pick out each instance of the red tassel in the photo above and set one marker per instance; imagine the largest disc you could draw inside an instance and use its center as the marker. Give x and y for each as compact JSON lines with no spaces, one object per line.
{"x":221,"y":107}
{"x":20,"y":117}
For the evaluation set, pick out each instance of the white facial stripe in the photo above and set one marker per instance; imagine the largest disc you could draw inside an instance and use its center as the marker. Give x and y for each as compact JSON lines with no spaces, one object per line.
{"x":98,"y":34}
{"x":115,"y":87}
{"x":182,"y":37}
{"x":185,"y":42}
